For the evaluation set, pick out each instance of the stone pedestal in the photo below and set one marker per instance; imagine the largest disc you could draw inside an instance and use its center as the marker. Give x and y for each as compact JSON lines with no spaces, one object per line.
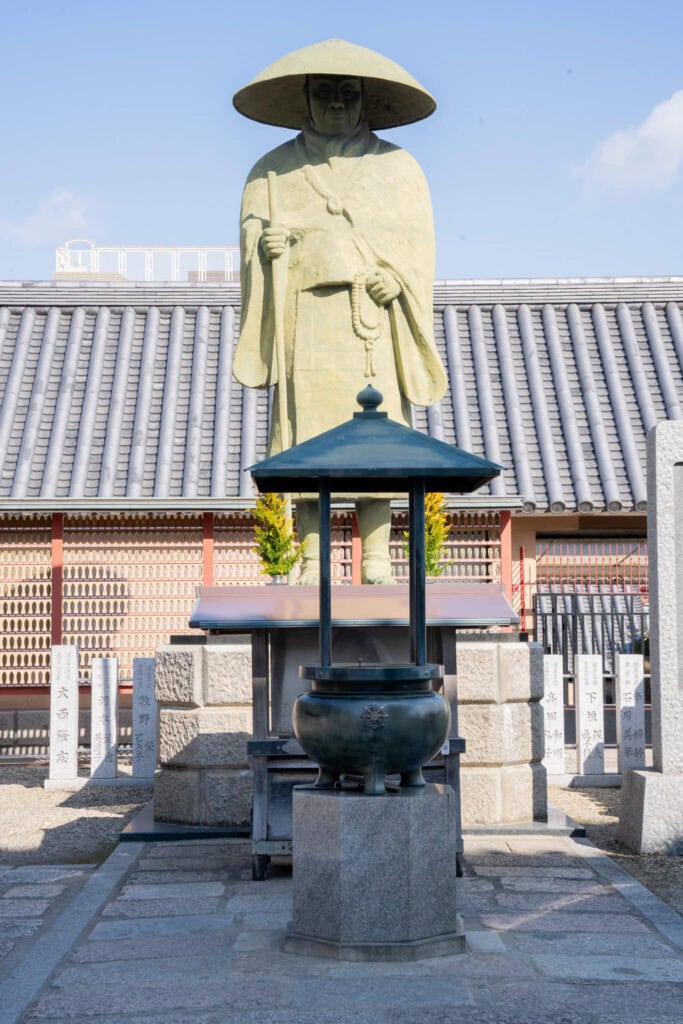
{"x":374,"y":876}
{"x":500,"y":687}
{"x":652,"y":812}
{"x":652,"y":803}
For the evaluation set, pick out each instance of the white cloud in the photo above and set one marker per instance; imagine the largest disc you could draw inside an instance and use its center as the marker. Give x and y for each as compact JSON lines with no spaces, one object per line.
{"x":647,"y":156}
{"x":59,"y":216}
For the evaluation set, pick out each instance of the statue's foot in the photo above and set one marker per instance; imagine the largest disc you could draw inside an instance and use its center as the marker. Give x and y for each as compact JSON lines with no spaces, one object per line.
{"x":377,"y":573}
{"x":310,"y":577}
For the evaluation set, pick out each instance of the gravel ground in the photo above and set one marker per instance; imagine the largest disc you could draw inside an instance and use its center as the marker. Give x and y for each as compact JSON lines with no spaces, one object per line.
{"x":39,"y":826}
{"x":598,"y":810}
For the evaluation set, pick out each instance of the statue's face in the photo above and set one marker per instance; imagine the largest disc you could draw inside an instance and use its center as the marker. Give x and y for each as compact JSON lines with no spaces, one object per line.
{"x":335,"y":103}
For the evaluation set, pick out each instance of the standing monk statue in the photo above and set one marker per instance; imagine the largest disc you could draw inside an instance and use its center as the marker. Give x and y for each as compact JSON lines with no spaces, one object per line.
{"x":337,"y":262}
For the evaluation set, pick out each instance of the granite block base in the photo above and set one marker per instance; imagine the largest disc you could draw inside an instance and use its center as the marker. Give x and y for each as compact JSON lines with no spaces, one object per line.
{"x":652,"y":812}
{"x":374,"y":876}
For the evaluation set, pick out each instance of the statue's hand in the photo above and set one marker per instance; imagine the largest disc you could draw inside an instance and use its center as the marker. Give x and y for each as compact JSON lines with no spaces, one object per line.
{"x":274,"y":242}
{"x":382,"y":287}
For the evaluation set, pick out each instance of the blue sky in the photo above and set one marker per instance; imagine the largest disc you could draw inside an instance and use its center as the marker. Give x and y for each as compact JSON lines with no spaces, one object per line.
{"x":556,"y":148}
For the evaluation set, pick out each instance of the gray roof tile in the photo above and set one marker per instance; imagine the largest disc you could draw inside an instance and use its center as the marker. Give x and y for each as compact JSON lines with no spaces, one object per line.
{"x":125,"y":391}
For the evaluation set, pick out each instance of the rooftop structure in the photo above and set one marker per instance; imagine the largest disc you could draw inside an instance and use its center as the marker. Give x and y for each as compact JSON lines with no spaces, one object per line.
{"x":81,"y":260}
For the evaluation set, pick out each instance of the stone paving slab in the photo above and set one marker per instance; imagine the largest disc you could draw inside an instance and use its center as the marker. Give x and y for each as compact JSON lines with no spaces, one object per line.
{"x":154,"y":877}
{"x":172,"y":890}
{"x":171,"y":907}
{"x":502,"y":872}
{"x":557,"y":921}
{"x":167,"y":944}
{"x":197,"y":863}
{"x":34,"y":890}
{"x":607,"y":904}
{"x":226,"y":1015}
{"x":180,"y":925}
{"x":610,"y":968}
{"x":572,"y":944}
{"x":562,"y":885}
{"x":20,"y":928}
{"x":22,"y":908}
{"x":586,"y":949}
{"x":629,"y":1002}
{"x":73,"y":1003}
{"x":41,"y":873}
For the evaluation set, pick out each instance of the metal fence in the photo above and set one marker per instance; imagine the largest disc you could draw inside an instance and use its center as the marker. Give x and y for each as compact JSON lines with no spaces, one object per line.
{"x":600,"y":620}
{"x":599,"y":624}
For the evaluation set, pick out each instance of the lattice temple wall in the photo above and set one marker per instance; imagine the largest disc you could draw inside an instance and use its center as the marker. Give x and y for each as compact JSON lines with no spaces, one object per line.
{"x":120,"y":585}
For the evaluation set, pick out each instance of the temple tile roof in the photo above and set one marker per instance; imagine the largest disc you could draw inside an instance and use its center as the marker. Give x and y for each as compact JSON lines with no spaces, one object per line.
{"x":123,"y":392}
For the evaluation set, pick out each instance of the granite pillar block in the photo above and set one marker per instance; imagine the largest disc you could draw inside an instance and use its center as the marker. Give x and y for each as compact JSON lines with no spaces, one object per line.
{"x":204,"y":737}
{"x":226,"y":797}
{"x":374,"y":877}
{"x":177,"y":795}
{"x":665,"y":546}
{"x":227,"y":672}
{"x":481,"y":796}
{"x":652,"y":802}
{"x":651,"y":818}
{"x":179,"y":675}
{"x":477,"y":667}
{"x":521,"y":672}
{"x":500,"y":686}
{"x":204,"y":722}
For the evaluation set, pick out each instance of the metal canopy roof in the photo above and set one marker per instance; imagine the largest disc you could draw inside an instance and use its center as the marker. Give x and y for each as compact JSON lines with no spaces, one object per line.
{"x":370,"y":451}
{"x":224,"y":610}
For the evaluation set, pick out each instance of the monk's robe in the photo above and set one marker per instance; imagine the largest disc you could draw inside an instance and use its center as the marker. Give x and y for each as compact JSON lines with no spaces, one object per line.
{"x":351,"y":204}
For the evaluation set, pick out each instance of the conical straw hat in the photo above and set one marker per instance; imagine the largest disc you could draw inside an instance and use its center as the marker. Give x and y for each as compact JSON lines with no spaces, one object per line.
{"x":392,"y":96}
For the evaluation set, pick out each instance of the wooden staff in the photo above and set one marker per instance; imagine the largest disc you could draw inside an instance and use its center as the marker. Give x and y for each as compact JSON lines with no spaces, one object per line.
{"x":278,"y":270}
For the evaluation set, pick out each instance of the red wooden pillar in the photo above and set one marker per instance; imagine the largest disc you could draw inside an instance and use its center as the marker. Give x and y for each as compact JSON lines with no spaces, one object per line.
{"x":356,"y":550}
{"x":207,"y":549}
{"x":57,"y":577}
{"x":506,"y":553}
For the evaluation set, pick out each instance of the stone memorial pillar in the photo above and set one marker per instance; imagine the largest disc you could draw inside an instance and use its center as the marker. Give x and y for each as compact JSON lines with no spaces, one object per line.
{"x":590,"y":723}
{"x":104,"y":718}
{"x":144,"y":720}
{"x":652,"y":803}
{"x":63,"y":717}
{"x":553,"y":714}
{"x":630,"y":696}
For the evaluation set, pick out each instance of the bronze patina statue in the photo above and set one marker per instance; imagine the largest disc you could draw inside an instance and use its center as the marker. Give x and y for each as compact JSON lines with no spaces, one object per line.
{"x":337,"y":261}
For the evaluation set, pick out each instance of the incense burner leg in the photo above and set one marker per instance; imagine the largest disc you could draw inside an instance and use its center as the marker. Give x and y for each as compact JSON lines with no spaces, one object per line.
{"x":412,"y":778}
{"x":374,"y":776}
{"x":326,"y":779}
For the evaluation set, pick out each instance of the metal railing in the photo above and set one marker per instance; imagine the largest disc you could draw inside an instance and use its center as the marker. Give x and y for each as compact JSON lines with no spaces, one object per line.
{"x":601,"y":620}
{"x":81,"y":259}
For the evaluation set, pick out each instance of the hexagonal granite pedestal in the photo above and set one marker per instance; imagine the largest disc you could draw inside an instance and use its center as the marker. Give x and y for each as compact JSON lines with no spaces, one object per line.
{"x":374,"y":876}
